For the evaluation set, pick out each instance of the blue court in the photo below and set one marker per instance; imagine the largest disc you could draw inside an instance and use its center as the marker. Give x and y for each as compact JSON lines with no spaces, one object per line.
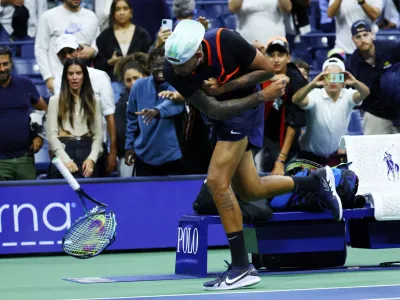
{"x":379,"y":292}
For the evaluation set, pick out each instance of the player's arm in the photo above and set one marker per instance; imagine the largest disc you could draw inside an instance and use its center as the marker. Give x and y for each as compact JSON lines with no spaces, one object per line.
{"x":253,"y":60}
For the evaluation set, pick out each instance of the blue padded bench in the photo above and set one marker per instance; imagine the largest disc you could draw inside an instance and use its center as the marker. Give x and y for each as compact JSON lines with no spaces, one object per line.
{"x":287,"y":232}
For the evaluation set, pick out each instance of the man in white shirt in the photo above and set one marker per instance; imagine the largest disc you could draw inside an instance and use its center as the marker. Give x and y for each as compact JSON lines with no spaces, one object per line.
{"x":69,"y":18}
{"x":35,"y":7}
{"x":67,"y":46}
{"x":328,"y":110}
{"x":346,"y":12}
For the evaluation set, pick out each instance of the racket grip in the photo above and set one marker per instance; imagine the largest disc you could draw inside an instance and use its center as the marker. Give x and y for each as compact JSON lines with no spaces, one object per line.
{"x":66,"y":173}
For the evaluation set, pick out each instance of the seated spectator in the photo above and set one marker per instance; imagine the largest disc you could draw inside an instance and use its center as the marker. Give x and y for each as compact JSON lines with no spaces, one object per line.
{"x":151,"y":138}
{"x":19,"y":18}
{"x":120,"y":38}
{"x":368,"y":63}
{"x":328,"y":108}
{"x":74,"y":127}
{"x":68,"y":18}
{"x":346,"y":13}
{"x":303,"y":67}
{"x":283,"y":119}
{"x":338,"y":53}
{"x":67,"y":47}
{"x":128,"y":70}
{"x":260,"y":19}
{"x":18,"y":143}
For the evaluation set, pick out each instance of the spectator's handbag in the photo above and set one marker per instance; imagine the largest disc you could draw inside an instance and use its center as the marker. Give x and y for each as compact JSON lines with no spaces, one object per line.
{"x":346,"y":182}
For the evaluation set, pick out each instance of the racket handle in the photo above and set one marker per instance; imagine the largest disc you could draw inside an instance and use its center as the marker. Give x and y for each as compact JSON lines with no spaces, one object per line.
{"x":66,"y":173}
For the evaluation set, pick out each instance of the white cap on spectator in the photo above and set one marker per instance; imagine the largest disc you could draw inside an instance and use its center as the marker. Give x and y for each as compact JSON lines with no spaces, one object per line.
{"x":184,"y":41}
{"x":333,"y":61}
{"x":66,"y":41}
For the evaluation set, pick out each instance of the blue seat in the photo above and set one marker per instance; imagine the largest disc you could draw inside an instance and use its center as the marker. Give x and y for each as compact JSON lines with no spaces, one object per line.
{"x":42,"y":159}
{"x":26,"y":67}
{"x":303,"y":55}
{"x":320,"y":58}
{"x":356,"y":123}
{"x":230,"y":22}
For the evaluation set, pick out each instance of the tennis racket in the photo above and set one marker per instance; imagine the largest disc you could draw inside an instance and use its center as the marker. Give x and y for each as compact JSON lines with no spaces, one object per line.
{"x":297,"y":165}
{"x":92,"y":233}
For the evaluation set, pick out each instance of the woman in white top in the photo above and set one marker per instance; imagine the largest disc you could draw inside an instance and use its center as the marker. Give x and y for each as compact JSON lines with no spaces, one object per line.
{"x":328,"y":111}
{"x":120,"y":38}
{"x":260,"y":19}
{"x":74,"y":127}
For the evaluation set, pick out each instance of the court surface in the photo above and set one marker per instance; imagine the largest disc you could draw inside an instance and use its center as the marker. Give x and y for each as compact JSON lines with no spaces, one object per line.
{"x":40,"y":278}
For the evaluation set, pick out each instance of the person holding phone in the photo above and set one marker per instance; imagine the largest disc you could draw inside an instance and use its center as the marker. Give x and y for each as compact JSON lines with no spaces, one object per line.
{"x":120,"y":38}
{"x":328,"y":106}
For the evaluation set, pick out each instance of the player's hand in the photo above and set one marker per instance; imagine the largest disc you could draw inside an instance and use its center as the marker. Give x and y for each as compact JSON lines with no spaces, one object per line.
{"x":319,"y":80}
{"x":130,"y":157}
{"x":170,"y":95}
{"x":37,"y":143}
{"x":275,"y":90}
{"x":148,"y":114}
{"x":279,"y":168}
{"x":212,"y":87}
{"x":280,"y":77}
{"x":205,"y":22}
{"x":260,"y":47}
{"x":88,"y":167}
{"x":111,"y":163}
{"x":349,"y":79}
{"x":71,"y":166}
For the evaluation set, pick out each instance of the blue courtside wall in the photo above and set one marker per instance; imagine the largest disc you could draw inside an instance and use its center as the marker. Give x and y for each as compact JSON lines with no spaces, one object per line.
{"x":35,"y":214}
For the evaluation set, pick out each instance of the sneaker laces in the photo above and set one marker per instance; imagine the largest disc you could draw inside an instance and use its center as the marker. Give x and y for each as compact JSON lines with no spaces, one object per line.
{"x":229,"y":267}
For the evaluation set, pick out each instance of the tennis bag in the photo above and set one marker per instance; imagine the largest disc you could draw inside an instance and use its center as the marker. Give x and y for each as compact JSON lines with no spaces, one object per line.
{"x":256,"y":212}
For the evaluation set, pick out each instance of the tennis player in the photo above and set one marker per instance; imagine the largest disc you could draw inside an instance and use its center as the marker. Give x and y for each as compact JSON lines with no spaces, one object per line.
{"x":217,"y":72}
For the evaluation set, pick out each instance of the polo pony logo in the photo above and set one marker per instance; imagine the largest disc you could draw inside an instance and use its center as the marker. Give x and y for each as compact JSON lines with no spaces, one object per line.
{"x":392,"y":167}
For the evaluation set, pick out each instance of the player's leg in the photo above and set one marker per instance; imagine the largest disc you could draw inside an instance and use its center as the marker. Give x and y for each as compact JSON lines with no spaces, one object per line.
{"x":223,"y":165}
{"x":250,"y":186}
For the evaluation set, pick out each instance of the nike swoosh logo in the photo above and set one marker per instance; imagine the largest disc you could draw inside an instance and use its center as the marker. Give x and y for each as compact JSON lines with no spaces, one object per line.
{"x":232,"y":238}
{"x":234,"y":132}
{"x":236,"y":279}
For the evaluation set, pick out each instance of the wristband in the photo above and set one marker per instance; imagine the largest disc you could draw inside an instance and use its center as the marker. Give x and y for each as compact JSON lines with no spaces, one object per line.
{"x":281,"y":161}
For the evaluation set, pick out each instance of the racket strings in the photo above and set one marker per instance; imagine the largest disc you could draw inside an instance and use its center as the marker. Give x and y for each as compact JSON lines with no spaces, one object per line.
{"x":90,"y":235}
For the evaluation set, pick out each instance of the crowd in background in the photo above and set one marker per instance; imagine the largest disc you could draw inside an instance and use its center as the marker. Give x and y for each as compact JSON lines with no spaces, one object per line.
{"x":111,"y":113}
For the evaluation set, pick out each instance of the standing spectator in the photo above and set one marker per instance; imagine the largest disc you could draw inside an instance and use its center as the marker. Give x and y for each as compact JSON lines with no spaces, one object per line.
{"x":18,"y":145}
{"x":102,"y":10}
{"x":327,"y":23}
{"x":283,"y":119}
{"x":128,"y":70}
{"x":120,"y":38}
{"x":149,"y":14}
{"x":151,"y":139}
{"x":329,"y":106}
{"x":368,"y":63}
{"x":74,"y":128}
{"x":19,"y":18}
{"x":67,"y":47}
{"x":346,"y":12}
{"x":260,"y":19}
{"x":69,"y":18}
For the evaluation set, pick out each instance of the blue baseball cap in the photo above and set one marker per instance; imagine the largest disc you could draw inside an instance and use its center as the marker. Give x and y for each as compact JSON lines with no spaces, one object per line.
{"x":360,"y":26}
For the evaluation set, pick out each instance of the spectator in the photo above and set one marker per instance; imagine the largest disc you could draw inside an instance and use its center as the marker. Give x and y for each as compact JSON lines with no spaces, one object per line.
{"x":151,"y":139}
{"x":151,"y":14}
{"x":19,"y":18}
{"x":297,"y":21}
{"x":327,"y":24}
{"x":328,"y":112}
{"x":74,"y":127}
{"x":303,"y":67}
{"x":391,"y":17}
{"x":120,"y":38}
{"x":69,"y":18}
{"x":346,"y":13}
{"x":259,"y":19}
{"x":338,"y":53}
{"x":18,"y":144}
{"x":67,"y":47}
{"x":128,"y":70}
{"x":283,"y":119}
{"x":368,"y":63}
{"x":102,"y":10}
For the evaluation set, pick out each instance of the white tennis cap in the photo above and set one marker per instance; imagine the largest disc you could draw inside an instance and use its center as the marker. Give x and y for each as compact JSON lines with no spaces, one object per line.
{"x":66,"y":41}
{"x":333,"y":61}
{"x":184,"y":42}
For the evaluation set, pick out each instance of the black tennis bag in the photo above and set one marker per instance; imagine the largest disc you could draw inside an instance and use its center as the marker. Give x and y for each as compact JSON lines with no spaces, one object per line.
{"x":256,"y":212}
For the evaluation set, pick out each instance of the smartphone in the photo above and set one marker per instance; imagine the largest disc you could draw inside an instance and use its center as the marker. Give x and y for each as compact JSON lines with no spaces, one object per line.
{"x":334,"y":78}
{"x":166,"y":24}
